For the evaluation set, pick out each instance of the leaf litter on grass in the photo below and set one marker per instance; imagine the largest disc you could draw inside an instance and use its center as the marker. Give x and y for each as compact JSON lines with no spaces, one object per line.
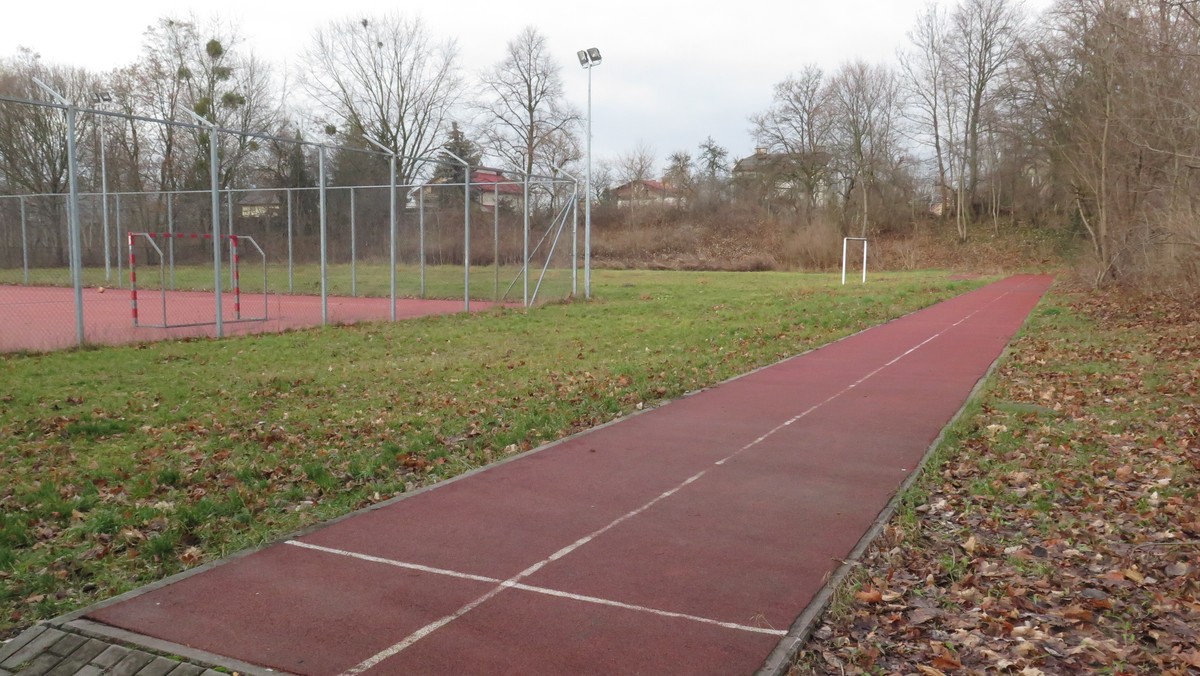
{"x":1057,"y":530}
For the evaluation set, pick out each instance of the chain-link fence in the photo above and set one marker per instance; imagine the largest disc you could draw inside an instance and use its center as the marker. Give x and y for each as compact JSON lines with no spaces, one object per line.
{"x":291,"y":235}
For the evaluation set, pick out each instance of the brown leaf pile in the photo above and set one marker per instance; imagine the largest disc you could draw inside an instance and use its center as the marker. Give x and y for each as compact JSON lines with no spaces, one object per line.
{"x":1060,"y":533}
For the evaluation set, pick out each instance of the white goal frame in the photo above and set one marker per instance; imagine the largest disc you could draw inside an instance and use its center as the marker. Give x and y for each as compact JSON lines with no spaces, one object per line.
{"x":845,"y":245}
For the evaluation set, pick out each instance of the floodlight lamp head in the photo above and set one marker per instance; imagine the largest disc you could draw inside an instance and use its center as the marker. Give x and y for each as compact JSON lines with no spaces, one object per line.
{"x":102,"y":97}
{"x":588,"y":57}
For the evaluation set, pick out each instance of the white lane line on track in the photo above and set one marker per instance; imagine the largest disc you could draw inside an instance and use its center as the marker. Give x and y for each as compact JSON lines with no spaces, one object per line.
{"x":510,"y":582}
{"x":514,"y":581}
{"x":537,"y":590}
{"x":858,"y":382}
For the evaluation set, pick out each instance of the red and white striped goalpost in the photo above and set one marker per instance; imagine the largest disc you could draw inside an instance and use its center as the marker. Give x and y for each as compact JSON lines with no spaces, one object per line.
{"x":235,"y":270}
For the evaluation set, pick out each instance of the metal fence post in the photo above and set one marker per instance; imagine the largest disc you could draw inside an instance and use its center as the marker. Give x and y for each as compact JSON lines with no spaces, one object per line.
{"x":229,"y":220}
{"x":75,"y":241}
{"x":525,"y":255}
{"x":73,"y":215}
{"x":392,"y":216}
{"x":215,"y":192}
{"x":117,"y":213}
{"x":466,"y":237}
{"x":24,"y":242}
{"x":575,"y":241}
{"x":496,"y":237}
{"x":353,"y":247}
{"x":324,"y":226}
{"x":391,"y":219}
{"x":104,"y":199}
{"x":289,"y":238}
{"x":421,"y":238}
{"x":171,"y":239}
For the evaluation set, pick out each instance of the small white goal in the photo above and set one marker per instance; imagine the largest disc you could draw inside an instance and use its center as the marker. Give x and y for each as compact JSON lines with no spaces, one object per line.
{"x":845,"y":247}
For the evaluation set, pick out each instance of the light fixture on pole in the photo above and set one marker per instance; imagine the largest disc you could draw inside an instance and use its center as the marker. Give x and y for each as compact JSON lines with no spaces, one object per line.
{"x":588,"y":58}
{"x":100,"y":98}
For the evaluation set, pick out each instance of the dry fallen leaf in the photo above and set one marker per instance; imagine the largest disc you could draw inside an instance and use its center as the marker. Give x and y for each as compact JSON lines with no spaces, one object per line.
{"x":1178,"y":569}
{"x":869,"y":595}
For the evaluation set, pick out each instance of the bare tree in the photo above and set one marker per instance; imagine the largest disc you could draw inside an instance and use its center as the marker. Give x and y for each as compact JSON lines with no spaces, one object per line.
{"x":713,"y":165}
{"x":33,"y":142}
{"x":201,"y":67}
{"x":924,"y":70}
{"x":984,"y":39}
{"x":799,"y":125}
{"x":603,"y":180}
{"x":523,"y":109}
{"x":386,"y":79}
{"x":799,"y":119}
{"x":866,"y":102}
{"x":1118,"y":83}
{"x":679,"y":172}
{"x":637,"y":164}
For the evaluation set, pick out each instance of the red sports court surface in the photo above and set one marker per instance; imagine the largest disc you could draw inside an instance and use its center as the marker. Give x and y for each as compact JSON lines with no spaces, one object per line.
{"x":684,"y":540}
{"x":42,"y":318}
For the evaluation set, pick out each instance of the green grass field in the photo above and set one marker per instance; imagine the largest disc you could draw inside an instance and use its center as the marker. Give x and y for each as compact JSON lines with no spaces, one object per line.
{"x":126,"y":464}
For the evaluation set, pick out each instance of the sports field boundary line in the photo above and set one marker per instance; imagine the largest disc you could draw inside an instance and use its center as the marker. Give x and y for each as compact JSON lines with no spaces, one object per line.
{"x":535,"y":589}
{"x":779,"y":662}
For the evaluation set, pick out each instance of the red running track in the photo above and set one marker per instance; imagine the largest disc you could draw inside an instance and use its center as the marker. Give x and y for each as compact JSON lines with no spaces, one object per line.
{"x":684,"y":540}
{"x":42,"y":318}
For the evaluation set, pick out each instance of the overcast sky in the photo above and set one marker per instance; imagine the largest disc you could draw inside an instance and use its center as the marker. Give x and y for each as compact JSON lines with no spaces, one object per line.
{"x":673,"y":73}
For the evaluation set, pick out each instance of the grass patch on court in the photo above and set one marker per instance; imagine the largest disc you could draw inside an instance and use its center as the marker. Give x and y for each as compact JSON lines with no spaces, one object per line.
{"x":1057,"y":527}
{"x":127,"y":464}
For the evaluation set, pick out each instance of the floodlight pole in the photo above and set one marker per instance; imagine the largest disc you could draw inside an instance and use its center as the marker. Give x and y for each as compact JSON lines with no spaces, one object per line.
{"x":76,"y":243}
{"x":588,"y":58}
{"x":215,"y":179}
{"x":391,"y":215}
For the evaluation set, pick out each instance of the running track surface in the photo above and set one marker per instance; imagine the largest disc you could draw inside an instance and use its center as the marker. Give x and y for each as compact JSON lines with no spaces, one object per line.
{"x":42,"y":318}
{"x":684,"y":540}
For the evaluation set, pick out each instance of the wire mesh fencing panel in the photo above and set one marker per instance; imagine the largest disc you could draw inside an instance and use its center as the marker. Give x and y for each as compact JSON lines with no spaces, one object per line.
{"x":337,"y":233}
{"x":36,"y":240}
{"x":37,"y":243}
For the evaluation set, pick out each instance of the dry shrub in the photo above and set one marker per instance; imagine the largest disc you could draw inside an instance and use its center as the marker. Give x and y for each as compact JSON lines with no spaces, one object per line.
{"x":1166,"y":259}
{"x":816,"y":246}
{"x":739,"y":237}
{"x":897,"y":254}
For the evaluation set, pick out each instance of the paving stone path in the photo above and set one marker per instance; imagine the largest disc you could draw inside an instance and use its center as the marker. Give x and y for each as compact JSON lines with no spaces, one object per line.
{"x":45,"y":651}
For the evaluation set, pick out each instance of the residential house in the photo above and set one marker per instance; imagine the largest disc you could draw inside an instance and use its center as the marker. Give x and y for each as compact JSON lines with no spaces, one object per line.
{"x":489,"y":187}
{"x":775,"y":177}
{"x":492,"y":187}
{"x":646,"y":192}
{"x":260,"y":203}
